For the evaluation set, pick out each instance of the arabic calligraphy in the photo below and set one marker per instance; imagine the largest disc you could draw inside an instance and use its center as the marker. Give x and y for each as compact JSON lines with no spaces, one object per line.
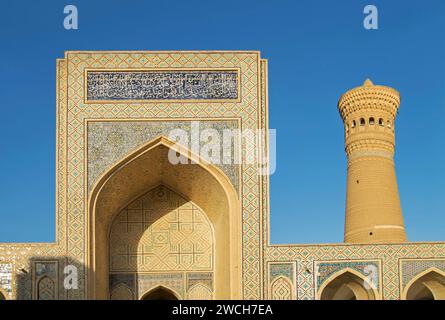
{"x":162,"y":85}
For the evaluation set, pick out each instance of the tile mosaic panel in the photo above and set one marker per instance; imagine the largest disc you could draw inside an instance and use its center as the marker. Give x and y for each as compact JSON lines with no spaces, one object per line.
{"x":247,"y":109}
{"x":45,"y":280}
{"x":388,"y":254}
{"x":110,"y":141}
{"x":161,"y":231}
{"x":205,"y":278}
{"x":281,"y":269}
{"x":282,"y":281}
{"x":252,"y":112}
{"x":411,"y":268}
{"x":281,"y":289}
{"x":173,"y":281}
{"x":116,"y":85}
{"x":326,"y":269}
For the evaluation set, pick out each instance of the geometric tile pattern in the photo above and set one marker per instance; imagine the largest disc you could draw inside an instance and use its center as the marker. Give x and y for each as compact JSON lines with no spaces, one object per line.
{"x":74,"y":117}
{"x":389,"y":254}
{"x":45,"y":280}
{"x":411,"y":268}
{"x":282,"y":281}
{"x":200,"y":292}
{"x":326,"y":269}
{"x":110,"y":141}
{"x":281,"y":269}
{"x":264,"y":205}
{"x":172,"y":281}
{"x":185,"y":284}
{"x":281,"y":289}
{"x":46,"y":289}
{"x":161,"y":231}
{"x":78,"y":112}
{"x":204,"y":278}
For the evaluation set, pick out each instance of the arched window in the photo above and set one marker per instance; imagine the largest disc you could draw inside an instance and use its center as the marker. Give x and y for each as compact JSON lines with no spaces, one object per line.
{"x":362,"y":121}
{"x":381,"y":122}
{"x":353,"y":124}
{"x":371,"y":121}
{"x":388,"y":124}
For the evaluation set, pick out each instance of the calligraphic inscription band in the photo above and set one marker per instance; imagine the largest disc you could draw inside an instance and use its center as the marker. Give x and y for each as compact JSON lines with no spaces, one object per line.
{"x":141,"y":85}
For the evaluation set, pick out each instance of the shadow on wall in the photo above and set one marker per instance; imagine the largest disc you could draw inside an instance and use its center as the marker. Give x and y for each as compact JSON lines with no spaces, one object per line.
{"x":51,"y":278}
{"x":62,"y":278}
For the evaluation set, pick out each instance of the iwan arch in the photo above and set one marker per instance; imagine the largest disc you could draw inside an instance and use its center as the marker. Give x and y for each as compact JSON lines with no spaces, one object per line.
{"x":202,"y":214}
{"x":138,"y":227}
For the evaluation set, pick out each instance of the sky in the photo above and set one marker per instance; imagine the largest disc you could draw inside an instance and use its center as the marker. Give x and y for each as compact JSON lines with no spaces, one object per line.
{"x":316,"y":51}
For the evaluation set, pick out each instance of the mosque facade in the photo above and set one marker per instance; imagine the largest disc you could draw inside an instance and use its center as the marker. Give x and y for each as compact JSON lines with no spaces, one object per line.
{"x":143,"y":213}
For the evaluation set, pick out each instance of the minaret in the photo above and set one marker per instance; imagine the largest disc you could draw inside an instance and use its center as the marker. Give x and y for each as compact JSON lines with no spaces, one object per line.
{"x":373,"y":212}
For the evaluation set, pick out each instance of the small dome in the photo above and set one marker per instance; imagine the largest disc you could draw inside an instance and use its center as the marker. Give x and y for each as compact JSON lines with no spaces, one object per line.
{"x":368,"y":83}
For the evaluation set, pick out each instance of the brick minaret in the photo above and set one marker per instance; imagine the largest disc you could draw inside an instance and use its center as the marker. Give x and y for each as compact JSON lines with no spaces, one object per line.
{"x":373,"y":212}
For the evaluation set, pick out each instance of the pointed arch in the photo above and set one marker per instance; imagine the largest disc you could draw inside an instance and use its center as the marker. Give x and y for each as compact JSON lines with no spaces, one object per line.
{"x":199,"y":181}
{"x":347,"y":284}
{"x":160,"y":293}
{"x":121,"y":292}
{"x":426,"y":285}
{"x":199,"y":292}
{"x":281,"y":289}
{"x":46,"y":289}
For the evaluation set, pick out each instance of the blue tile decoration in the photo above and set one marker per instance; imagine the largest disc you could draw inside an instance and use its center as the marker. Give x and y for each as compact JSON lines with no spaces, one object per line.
{"x":281,"y":269}
{"x":411,"y":268}
{"x":108,"y":142}
{"x":162,"y":85}
{"x":326,"y":269}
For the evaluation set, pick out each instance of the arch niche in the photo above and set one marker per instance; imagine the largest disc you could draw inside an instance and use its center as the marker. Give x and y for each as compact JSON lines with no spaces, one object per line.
{"x":160,"y":293}
{"x":427,"y":285}
{"x":200,"y":182}
{"x":347,"y":284}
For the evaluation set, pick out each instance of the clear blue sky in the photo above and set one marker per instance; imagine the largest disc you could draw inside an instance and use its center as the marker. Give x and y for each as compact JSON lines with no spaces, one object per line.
{"x":316,"y":51}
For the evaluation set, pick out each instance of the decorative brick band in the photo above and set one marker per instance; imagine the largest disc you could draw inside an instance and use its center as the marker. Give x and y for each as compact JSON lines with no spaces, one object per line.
{"x":370,"y":145}
{"x":369,"y":97}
